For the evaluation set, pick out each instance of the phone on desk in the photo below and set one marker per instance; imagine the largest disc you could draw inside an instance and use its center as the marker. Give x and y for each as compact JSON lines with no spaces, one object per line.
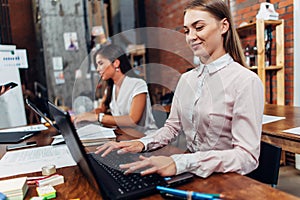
{"x":9,"y":85}
{"x":21,"y":145}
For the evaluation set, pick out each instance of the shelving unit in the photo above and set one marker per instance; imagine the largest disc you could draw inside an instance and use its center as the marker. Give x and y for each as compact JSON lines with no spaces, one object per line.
{"x":259,"y":26}
{"x":138,"y":59}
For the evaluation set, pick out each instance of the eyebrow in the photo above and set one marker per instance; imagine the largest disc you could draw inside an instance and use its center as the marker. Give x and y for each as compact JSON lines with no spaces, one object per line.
{"x":194,"y":23}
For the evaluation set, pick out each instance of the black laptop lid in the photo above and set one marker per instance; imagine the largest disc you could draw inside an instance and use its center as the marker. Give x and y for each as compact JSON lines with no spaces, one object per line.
{"x":68,"y":131}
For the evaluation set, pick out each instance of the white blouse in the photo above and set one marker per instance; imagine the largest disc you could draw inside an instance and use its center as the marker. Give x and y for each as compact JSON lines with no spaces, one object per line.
{"x":219,"y":109}
{"x":121,"y":106}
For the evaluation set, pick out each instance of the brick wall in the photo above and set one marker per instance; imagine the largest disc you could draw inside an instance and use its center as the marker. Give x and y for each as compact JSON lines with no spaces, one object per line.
{"x":24,"y":37}
{"x":169,"y":14}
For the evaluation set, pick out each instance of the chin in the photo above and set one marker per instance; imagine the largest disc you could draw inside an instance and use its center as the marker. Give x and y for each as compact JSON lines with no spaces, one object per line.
{"x":201,"y":53}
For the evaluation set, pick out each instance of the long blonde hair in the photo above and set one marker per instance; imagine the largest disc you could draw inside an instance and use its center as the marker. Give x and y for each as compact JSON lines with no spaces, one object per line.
{"x":220,"y":10}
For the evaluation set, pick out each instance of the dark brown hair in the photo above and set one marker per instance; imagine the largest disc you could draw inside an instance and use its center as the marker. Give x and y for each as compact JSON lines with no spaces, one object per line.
{"x":113,"y":52}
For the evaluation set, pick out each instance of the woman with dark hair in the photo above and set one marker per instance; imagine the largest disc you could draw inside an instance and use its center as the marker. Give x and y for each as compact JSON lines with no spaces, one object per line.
{"x":218,"y":105}
{"x":126,"y":96}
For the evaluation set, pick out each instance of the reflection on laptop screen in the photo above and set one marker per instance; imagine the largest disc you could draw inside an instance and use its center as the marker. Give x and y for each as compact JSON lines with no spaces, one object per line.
{"x":40,"y":113}
{"x":64,"y":123}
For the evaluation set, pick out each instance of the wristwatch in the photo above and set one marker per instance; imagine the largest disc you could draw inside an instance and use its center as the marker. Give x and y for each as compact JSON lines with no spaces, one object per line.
{"x":100,"y":117}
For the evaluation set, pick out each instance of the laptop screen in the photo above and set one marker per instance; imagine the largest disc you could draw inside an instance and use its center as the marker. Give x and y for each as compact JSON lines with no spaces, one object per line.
{"x":40,"y":113}
{"x":67,"y":129}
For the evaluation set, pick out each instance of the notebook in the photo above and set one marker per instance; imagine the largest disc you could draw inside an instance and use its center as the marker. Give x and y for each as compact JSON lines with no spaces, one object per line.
{"x":103,"y":173}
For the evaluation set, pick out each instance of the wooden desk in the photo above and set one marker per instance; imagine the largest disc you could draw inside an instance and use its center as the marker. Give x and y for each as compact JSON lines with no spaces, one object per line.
{"x":232,"y":185}
{"x":272,"y":132}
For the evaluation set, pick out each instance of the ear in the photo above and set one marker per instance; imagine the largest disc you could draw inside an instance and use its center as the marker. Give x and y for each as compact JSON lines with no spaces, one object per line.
{"x":116,"y":63}
{"x":224,"y":25}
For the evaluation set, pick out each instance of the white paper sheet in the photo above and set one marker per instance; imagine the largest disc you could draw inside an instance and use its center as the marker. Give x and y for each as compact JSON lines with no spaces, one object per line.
{"x":33,"y":159}
{"x":271,"y":118}
{"x":93,"y":131}
{"x":293,"y":130}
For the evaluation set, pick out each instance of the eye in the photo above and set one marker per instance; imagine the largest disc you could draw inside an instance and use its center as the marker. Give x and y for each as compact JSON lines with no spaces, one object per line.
{"x":185,"y":31}
{"x":199,"y":28}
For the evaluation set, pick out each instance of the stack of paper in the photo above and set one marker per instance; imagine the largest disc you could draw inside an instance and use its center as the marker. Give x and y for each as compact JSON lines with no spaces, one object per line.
{"x":94,"y":134}
{"x":15,"y":188}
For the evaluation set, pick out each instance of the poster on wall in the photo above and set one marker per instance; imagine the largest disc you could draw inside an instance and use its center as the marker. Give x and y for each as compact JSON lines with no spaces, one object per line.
{"x":57,"y":63}
{"x":59,"y":77}
{"x":12,"y":57}
{"x":71,"y":41}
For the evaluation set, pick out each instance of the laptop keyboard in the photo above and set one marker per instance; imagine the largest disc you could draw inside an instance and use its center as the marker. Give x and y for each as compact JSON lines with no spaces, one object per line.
{"x":131,"y":182}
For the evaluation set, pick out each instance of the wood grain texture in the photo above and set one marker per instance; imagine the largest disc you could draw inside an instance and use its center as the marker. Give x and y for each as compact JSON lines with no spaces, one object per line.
{"x":231,"y":185}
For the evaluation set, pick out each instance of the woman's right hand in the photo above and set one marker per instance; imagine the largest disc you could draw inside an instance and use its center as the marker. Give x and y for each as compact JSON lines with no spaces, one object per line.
{"x":87,"y":116}
{"x":133,"y":146}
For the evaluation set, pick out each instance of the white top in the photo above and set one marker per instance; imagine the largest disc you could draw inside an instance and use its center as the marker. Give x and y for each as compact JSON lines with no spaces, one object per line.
{"x":220,"y":112}
{"x":121,"y":106}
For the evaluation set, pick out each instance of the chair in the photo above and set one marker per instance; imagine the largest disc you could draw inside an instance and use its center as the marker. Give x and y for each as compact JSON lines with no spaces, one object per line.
{"x":160,"y":115}
{"x":269,"y":163}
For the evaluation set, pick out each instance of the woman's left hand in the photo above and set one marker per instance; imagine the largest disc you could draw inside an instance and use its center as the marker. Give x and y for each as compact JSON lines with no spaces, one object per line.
{"x":163,"y":165}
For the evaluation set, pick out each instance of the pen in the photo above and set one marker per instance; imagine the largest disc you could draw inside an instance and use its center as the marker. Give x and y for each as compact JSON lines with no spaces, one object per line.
{"x":188,"y":194}
{"x":26,"y":136}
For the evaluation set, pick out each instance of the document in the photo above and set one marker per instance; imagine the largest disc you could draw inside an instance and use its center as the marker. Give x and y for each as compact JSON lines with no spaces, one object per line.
{"x":33,"y":159}
{"x":271,"y":118}
{"x":293,"y":130}
{"x":92,"y":134}
{"x":29,"y":128}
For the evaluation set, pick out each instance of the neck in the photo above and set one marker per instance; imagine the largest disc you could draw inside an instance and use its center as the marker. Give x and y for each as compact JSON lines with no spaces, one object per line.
{"x":212,"y":57}
{"x":118,"y":80}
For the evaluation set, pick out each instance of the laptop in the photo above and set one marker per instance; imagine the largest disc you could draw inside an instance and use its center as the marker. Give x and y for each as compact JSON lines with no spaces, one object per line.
{"x":103,"y":173}
{"x":41,"y":114}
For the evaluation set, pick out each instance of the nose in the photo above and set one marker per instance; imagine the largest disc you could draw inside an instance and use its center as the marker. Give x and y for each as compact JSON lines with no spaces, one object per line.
{"x":191,"y":36}
{"x":100,"y":68}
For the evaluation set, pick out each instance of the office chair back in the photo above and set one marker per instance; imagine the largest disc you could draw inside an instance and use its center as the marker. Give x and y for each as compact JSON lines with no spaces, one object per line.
{"x":160,"y":117}
{"x":269,"y":163}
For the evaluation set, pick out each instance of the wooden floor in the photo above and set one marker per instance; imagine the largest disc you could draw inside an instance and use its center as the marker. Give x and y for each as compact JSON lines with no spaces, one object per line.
{"x":289,"y":180}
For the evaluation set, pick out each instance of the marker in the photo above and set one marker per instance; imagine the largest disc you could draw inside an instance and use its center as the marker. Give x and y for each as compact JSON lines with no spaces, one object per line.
{"x":188,"y":194}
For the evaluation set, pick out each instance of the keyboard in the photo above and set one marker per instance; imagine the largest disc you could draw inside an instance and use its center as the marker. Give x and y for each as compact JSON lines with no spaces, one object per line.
{"x":121,"y":186}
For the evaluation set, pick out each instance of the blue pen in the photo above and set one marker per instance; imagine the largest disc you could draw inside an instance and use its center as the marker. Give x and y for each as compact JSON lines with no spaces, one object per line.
{"x":187,"y":194}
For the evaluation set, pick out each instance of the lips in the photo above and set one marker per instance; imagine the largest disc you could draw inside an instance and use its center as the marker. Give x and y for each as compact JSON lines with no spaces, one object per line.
{"x":196,"y":46}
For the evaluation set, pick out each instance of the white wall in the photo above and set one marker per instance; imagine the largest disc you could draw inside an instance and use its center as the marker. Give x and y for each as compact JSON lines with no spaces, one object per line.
{"x":296,"y":53}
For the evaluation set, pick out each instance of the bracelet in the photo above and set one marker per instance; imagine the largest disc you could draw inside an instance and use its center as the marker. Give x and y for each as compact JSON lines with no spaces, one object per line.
{"x":100,"y":117}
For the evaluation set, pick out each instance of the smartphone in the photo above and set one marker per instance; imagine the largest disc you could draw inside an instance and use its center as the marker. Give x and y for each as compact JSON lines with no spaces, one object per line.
{"x":10,"y":85}
{"x":21,"y":145}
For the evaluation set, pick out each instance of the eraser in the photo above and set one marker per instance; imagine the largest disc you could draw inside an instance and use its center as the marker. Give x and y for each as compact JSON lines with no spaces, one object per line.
{"x":46,"y":191}
{"x":38,"y":198}
{"x":52,"y":180}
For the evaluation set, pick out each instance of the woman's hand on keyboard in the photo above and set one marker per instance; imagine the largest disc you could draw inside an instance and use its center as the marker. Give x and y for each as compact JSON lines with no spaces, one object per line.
{"x":87,"y":116}
{"x":163,"y":165}
{"x":124,"y":147}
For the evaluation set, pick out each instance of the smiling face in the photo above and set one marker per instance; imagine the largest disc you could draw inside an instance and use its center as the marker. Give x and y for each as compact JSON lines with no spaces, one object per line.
{"x":204,"y":34}
{"x":105,"y":68}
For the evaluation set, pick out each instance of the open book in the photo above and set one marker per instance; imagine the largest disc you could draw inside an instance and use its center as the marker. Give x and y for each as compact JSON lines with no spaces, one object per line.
{"x":94,"y":134}
{"x":91,"y":134}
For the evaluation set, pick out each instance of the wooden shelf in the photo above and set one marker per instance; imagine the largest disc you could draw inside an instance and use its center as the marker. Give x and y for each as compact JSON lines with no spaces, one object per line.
{"x":259,"y":29}
{"x":267,"y":68}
